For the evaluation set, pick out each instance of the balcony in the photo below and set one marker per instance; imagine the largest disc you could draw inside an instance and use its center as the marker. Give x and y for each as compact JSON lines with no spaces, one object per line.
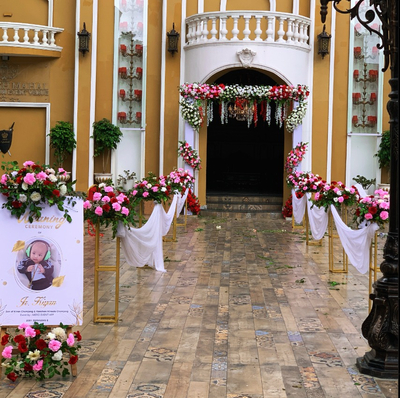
{"x":276,"y":28}
{"x":21,"y":39}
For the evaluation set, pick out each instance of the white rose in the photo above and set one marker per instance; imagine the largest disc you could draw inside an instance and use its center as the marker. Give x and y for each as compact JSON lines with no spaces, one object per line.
{"x":24,"y":186}
{"x":51,"y":336}
{"x":50,"y":171}
{"x":335,"y":199}
{"x":35,"y":196}
{"x":59,"y":333}
{"x":34,"y":356}
{"x":52,"y":178}
{"x":57,"y":356}
{"x":102,"y":185}
{"x":148,"y":186}
{"x":163,"y":189}
{"x":63,"y":190}
{"x":22,"y":198}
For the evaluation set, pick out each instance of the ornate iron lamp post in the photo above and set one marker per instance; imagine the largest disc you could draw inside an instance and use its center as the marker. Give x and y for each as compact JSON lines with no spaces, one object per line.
{"x":381,"y":327}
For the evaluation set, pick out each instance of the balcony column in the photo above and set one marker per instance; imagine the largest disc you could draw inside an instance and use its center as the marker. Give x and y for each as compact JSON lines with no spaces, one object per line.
{"x":281,"y":31}
{"x":16,"y":35}
{"x":270,"y":30}
{"x":235,"y":30}
{"x":246,"y":31}
{"x":258,"y":30}
{"x":213,"y":29}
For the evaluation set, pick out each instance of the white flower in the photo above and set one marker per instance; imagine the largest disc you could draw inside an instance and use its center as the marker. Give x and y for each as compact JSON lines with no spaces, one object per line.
{"x":63,"y":189}
{"x":14,"y":173}
{"x":51,"y":336}
{"x":50,"y":171}
{"x":34,"y":356}
{"x":163,"y":189}
{"x":57,"y":356}
{"x":35,"y":196}
{"x":24,"y":186}
{"x":148,"y":186}
{"x":102,"y":185}
{"x":218,"y":227}
{"x":335,"y":199}
{"x":22,"y":198}
{"x":59,"y":333}
{"x":53,"y":178}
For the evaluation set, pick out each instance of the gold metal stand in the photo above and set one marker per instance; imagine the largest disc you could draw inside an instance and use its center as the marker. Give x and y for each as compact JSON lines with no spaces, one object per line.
{"x":108,"y":268}
{"x":299,"y":226}
{"x":308,"y":241}
{"x":3,"y":331}
{"x":185,"y":212}
{"x":331,"y":235}
{"x":174,"y":224}
{"x":373,"y":266}
{"x":141,"y":213}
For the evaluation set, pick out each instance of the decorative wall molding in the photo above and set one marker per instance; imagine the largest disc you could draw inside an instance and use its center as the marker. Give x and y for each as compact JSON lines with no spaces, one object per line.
{"x":246,"y":57}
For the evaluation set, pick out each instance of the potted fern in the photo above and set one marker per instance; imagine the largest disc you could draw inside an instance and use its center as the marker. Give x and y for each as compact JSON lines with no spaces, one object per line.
{"x":106,"y":138}
{"x":62,"y":140}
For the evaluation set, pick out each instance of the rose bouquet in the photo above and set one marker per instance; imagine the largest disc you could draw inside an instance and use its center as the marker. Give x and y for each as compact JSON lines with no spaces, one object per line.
{"x":295,"y":156}
{"x":33,"y":351}
{"x":287,"y":210}
{"x":335,"y":193}
{"x":107,"y":206}
{"x":193,"y":203}
{"x":180,"y":178}
{"x":189,"y":155}
{"x":373,"y":208}
{"x":33,"y":186}
{"x":292,"y":179}
{"x":309,"y":182}
{"x":151,"y":188}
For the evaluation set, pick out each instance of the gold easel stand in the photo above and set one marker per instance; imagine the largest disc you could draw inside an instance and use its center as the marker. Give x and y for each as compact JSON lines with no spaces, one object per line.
{"x":332,"y":236}
{"x":108,"y":268}
{"x":3,"y":331}
{"x":185,"y":212}
{"x":298,"y":226}
{"x":173,"y":239}
{"x":308,"y":241}
{"x":373,"y":266}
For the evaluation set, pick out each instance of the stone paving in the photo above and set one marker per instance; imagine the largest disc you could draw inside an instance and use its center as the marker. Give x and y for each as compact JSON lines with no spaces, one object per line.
{"x":245,"y":310}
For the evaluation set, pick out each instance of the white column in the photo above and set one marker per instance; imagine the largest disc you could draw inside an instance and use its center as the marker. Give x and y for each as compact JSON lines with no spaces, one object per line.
{"x":76,"y":85}
{"x":162,"y":88}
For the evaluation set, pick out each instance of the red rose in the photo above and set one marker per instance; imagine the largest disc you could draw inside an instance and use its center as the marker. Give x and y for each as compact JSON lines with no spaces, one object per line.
{"x":113,"y":200}
{"x":345,"y":197}
{"x":28,"y":367}
{"x":106,"y":207}
{"x":18,"y":180}
{"x":56,"y":192}
{"x":6,"y":194}
{"x":37,"y":331}
{"x":358,"y":212}
{"x":73,"y":359}
{"x":12,"y":376}
{"x":111,"y":194}
{"x":78,"y":335}
{"x":40,"y":344}
{"x":22,"y":347}
{"x":47,"y":182}
{"x":16,"y":204}
{"x":372,"y":210}
{"x":4,"y":339}
{"x":36,"y":166}
{"x":19,"y":338}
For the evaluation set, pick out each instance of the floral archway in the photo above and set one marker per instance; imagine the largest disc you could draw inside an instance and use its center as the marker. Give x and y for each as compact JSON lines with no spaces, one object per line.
{"x":251,"y":101}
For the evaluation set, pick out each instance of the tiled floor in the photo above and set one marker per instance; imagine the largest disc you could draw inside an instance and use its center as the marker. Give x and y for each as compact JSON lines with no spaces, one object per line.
{"x":245,"y":310}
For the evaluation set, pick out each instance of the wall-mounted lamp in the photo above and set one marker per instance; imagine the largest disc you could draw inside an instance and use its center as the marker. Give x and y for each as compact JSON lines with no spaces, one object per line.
{"x":173,"y":38}
{"x":323,"y":43}
{"x":84,"y":37}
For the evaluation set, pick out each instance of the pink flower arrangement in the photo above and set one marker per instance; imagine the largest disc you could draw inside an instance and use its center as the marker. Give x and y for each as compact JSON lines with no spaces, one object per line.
{"x":373,"y":208}
{"x":33,"y":352}
{"x":151,"y":188}
{"x":335,"y":193}
{"x":295,"y":156}
{"x":189,"y":155}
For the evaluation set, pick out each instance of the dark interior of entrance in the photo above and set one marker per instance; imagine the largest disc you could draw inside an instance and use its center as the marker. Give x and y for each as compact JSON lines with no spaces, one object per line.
{"x":240,"y":159}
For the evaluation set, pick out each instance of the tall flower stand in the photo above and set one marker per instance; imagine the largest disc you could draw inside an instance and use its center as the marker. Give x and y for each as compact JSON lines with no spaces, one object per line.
{"x":373,"y":267}
{"x":308,"y":241}
{"x":105,"y":268}
{"x":298,"y":226}
{"x":185,"y":211}
{"x":332,"y":235}
{"x":174,"y":224}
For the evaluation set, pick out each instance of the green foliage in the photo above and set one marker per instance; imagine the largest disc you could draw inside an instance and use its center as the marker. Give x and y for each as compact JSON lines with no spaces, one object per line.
{"x":383,"y":153}
{"x":363,"y":181}
{"x":62,"y":140}
{"x":106,"y":136}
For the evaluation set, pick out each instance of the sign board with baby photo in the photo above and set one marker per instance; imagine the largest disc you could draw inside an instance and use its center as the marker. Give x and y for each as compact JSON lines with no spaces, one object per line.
{"x":41,"y":277}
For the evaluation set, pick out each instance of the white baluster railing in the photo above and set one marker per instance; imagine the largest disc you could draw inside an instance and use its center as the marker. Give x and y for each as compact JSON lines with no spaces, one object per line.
{"x":246,"y":26}
{"x":34,"y":36}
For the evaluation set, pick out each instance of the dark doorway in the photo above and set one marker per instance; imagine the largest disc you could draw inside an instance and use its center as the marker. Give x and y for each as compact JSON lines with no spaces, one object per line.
{"x":242,"y":160}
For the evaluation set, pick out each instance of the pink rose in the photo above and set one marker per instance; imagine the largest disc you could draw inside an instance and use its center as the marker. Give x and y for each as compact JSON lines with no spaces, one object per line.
{"x":384,"y":205}
{"x":7,"y":352}
{"x":105,"y":199}
{"x":121,"y":198}
{"x":99,"y":211}
{"x":108,"y":189}
{"x":368,"y":216}
{"x":341,"y":200}
{"x":384,"y":215}
{"x":30,"y":178}
{"x":87,"y":204}
{"x":61,"y":171}
{"x":116,"y":206}
{"x":3,"y":178}
{"x":70,"y":340}
{"x":124,"y":211}
{"x":134,"y":192}
{"x":39,"y":365}
{"x":54,"y":345}
{"x":154,"y":189}
{"x":41,"y":176}
{"x":29,"y":332}
{"x":23,"y":326}
{"x":145,"y":194}
{"x":28,"y":163}
{"x":97,"y":196}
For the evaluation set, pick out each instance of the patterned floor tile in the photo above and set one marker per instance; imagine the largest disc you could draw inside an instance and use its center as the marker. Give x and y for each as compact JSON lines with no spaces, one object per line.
{"x":325,"y":358}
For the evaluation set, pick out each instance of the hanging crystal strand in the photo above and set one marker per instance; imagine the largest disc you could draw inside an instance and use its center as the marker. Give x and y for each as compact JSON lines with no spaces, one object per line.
{"x":277,"y":113}
{"x":255,"y":115}
{"x":222,"y":108}
{"x":268,"y":113}
{"x":225,"y":105}
{"x":209,"y":113}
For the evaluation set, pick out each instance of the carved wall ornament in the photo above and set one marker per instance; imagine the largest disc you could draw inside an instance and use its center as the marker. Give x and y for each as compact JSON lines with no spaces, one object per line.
{"x":8,"y":72}
{"x":246,"y":57}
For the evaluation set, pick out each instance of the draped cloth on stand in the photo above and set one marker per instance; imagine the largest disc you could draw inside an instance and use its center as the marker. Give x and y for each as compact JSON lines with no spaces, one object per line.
{"x":144,"y":246}
{"x":356,"y":243}
{"x":181,"y":202}
{"x":318,"y":219}
{"x":299,"y":207}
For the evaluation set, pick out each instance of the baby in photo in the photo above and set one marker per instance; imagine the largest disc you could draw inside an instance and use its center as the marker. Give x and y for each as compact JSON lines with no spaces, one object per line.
{"x":37,"y":266}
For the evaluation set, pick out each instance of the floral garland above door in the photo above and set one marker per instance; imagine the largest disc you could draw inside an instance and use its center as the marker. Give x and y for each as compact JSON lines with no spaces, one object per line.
{"x":244,"y":103}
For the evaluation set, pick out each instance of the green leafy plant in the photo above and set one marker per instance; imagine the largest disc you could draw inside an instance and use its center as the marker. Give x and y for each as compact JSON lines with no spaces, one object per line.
{"x":364,"y":182}
{"x":383,"y":153}
{"x":62,"y":140}
{"x":106,"y":137}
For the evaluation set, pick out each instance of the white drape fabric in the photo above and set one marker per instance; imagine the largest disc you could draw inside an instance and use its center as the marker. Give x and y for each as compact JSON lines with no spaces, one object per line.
{"x":355,"y":243}
{"x":181,"y":202}
{"x":361,"y":190}
{"x":298,"y":207}
{"x":318,"y":219}
{"x":144,"y":246}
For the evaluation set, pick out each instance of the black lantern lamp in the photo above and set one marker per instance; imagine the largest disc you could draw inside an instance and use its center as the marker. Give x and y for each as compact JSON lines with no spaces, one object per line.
{"x":173,"y":38}
{"x":84,"y":37}
{"x":323,"y":43}
{"x":381,"y":327}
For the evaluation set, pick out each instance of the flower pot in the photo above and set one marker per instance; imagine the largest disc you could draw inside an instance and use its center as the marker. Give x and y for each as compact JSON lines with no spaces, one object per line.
{"x":64,"y":177}
{"x":102,"y":177}
{"x":128,"y":185}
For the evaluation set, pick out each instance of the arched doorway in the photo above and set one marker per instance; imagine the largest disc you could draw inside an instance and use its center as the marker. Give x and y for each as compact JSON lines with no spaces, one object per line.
{"x":240,"y":159}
